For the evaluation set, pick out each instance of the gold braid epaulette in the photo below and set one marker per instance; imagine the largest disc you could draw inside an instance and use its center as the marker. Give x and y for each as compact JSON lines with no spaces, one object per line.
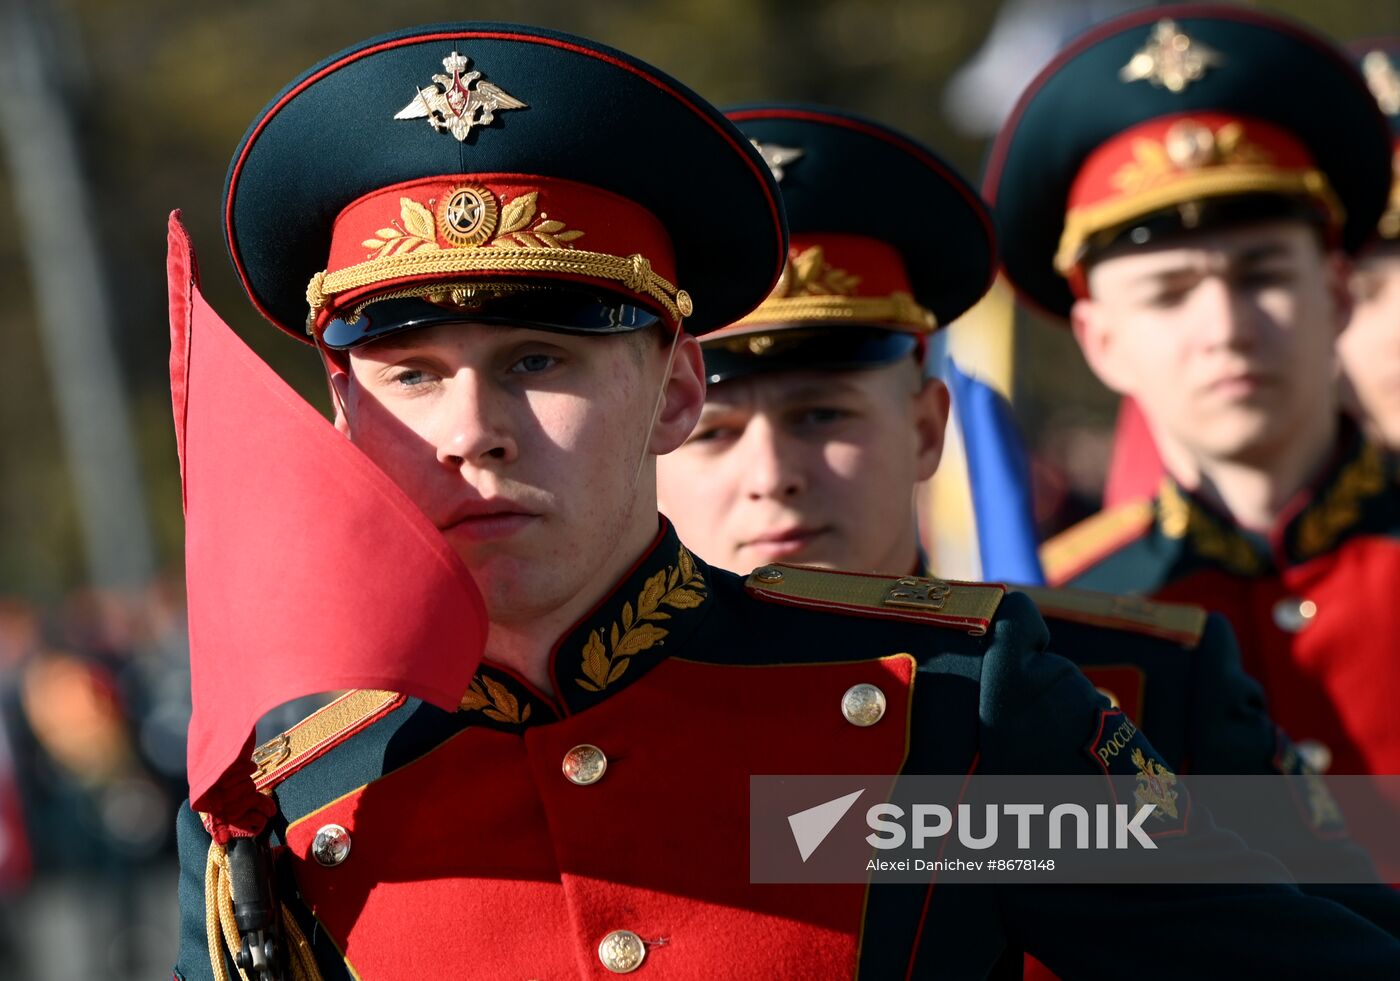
{"x":1179,"y":622}
{"x":1077,"y":547}
{"x":963,"y":605}
{"x":318,"y":732}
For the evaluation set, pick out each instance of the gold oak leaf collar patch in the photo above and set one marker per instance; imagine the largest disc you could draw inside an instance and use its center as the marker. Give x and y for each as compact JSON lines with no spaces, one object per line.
{"x":678,"y":587}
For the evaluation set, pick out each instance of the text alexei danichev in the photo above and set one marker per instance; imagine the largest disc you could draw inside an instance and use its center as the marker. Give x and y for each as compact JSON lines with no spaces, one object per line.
{"x":959,"y":865}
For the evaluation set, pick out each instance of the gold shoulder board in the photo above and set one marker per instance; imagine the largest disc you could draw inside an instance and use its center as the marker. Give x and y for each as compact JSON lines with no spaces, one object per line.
{"x":1179,"y":622}
{"x":283,"y":755}
{"x":965,"y":605}
{"x":1076,"y":548}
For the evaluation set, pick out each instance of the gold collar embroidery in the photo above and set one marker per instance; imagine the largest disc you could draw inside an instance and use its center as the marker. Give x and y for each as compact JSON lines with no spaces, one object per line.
{"x":1180,"y":517}
{"x":1339,"y":506}
{"x":677,"y":587}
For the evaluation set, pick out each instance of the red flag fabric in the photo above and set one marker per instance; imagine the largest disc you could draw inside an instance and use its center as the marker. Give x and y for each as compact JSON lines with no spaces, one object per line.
{"x":1134,"y":468}
{"x":16,"y":864}
{"x":308,"y":569}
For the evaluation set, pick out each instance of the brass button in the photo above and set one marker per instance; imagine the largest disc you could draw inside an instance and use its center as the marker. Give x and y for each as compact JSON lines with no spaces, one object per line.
{"x":622,"y":951}
{"x":331,"y":846}
{"x":1316,"y":755}
{"x":585,"y":764}
{"x":1292,"y":614}
{"x":768,"y":573}
{"x":863,"y":705}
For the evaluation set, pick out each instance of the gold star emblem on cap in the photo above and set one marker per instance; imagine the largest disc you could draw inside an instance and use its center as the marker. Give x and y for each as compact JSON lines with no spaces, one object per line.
{"x":777,"y":157}
{"x":1384,"y":81}
{"x":1170,"y":59}
{"x":456,"y":102}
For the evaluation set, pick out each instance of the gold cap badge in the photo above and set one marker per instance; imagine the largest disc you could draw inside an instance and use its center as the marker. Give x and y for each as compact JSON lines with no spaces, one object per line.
{"x":777,"y":157}
{"x":455,"y":103}
{"x":1383,"y":80}
{"x":1170,"y":59}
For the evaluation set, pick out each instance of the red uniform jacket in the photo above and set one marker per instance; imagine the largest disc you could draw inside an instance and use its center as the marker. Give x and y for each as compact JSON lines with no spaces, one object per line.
{"x":473,"y":854}
{"x":1315,"y":603}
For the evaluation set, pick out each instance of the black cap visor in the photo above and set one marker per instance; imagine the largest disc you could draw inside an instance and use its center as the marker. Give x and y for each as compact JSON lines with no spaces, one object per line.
{"x":824,"y":348}
{"x":1167,"y":226}
{"x":557,"y":308}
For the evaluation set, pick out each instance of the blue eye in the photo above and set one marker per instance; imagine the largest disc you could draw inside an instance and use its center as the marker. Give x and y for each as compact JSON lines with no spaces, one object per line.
{"x":710,"y":434}
{"x":410,"y":378}
{"x":1168,"y":299}
{"x":534,"y":363}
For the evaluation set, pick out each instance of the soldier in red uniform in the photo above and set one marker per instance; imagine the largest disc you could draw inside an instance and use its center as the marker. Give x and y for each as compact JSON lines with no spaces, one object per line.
{"x":1192,"y":219}
{"x":818,"y":422}
{"x":496,"y":273}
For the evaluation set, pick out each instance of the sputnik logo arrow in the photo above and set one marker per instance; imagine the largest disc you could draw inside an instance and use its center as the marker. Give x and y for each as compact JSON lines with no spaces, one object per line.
{"x":810,"y":827}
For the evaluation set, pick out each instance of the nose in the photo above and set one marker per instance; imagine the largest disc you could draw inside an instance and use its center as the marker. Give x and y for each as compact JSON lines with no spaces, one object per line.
{"x":472,"y":425}
{"x":1226,"y":313}
{"x":772,"y":463}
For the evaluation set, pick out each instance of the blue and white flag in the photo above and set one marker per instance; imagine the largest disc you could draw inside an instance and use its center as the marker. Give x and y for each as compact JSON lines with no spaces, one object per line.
{"x":979,"y":516}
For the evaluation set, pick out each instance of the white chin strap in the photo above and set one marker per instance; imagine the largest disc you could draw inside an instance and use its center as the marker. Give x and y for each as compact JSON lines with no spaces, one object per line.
{"x":656,"y":409}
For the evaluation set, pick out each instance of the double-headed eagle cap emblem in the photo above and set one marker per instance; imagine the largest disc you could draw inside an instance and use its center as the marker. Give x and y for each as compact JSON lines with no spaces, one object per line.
{"x":777,"y":157}
{"x":456,"y":102}
{"x":1171,"y":59}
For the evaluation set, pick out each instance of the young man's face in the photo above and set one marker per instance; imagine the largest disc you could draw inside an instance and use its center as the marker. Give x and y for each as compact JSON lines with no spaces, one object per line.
{"x":807,"y":467}
{"x":1227,"y":340}
{"x":1370,"y":345}
{"x":523,"y":447}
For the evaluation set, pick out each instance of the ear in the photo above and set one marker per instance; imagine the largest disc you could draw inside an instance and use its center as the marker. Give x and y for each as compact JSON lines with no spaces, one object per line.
{"x":683,"y":398}
{"x":930,"y":424}
{"x":1095,"y":334}
{"x":1338,"y":271}
{"x":338,"y":384}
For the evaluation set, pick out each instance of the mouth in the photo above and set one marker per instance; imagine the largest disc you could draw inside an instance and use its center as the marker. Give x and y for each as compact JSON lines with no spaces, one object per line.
{"x":1238,"y":386}
{"x":488,"y":521}
{"x":786,"y":543}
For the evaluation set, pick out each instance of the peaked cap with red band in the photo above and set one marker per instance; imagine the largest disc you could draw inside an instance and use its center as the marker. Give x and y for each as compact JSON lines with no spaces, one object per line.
{"x":869,"y":273}
{"x":463,"y":167}
{"x":1174,"y":111}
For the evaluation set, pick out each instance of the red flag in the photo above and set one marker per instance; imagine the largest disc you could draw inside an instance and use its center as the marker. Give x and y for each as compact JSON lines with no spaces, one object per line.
{"x":308,"y":569}
{"x":1135,"y":468}
{"x":16,"y":864}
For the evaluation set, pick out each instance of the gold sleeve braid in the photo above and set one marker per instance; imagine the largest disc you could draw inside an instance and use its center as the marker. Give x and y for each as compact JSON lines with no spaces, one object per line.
{"x":222,"y":930}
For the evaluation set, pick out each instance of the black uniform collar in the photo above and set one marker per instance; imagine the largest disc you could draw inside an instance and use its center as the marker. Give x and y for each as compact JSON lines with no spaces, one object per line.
{"x":1339,"y":503}
{"x":1208,"y":535}
{"x":1350,"y":496}
{"x":647,"y":616}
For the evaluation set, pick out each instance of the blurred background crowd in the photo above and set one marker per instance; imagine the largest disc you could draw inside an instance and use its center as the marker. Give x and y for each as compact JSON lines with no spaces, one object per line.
{"x":113,"y":112}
